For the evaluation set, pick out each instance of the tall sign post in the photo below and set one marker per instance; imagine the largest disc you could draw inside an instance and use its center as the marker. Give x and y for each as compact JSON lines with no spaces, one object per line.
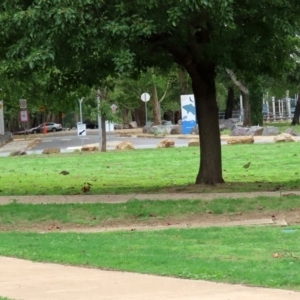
{"x":145,"y":97}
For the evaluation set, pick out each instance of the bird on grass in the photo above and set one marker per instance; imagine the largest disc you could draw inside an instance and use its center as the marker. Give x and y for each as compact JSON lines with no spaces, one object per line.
{"x":246,"y":166}
{"x":64,"y":172}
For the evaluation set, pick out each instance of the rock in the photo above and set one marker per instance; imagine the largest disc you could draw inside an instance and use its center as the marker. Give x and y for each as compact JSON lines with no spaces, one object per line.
{"x":166,"y":144}
{"x":133,"y":125}
{"x":89,"y":148}
{"x":179,"y":122}
{"x":118,"y":126}
{"x":270,"y":130}
{"x":51,"y":150}
{"x":126,"y":145}
{"x":164,"y":122}
{"x":240,"y":140}
{"x":19,"y":152}
{"x":229,"y":123}
{"x":194,"y":143}
{"x":284,"y":137}
{"x":292,"y":132}
{"x":239,"y":131}
{"x":255,"y":130}
{"x":195,"y":130}
{"x":147,"y":129}
{"x":176,"y":129}
{"x":161,"y":129}
{"x":222,"y":127}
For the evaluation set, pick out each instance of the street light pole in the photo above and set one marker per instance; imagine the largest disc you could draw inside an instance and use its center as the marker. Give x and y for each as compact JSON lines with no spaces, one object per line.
{"x":80,"y":109}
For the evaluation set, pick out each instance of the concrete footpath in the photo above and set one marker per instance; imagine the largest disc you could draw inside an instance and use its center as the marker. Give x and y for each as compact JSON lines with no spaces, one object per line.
{"x":25,"y":280}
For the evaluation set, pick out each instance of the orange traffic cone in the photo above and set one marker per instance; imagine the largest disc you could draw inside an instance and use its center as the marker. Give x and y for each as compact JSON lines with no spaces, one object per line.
{"x":45,"y":129}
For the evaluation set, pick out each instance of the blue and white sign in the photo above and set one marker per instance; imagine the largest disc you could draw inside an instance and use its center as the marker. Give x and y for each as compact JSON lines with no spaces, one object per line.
{"x":188,"y":112}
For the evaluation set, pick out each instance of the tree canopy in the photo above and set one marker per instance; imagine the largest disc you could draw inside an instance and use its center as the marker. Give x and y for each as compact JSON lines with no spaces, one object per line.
{"x":86,"y":40}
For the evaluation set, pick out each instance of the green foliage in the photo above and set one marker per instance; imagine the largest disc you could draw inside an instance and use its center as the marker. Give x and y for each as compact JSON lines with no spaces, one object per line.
{"x":272,"y":165}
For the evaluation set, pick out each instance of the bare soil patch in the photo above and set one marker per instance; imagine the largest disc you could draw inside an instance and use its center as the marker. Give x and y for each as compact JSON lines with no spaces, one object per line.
{"x":292,"y":217}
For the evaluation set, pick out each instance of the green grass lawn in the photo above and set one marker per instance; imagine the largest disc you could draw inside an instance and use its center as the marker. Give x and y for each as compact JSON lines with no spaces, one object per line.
{"x":17,"y":216}
{"x":235,"y":255}
{"x":151,"y":170}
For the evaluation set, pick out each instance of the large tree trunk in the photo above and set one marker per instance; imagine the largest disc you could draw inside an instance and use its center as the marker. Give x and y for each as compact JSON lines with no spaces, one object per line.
{"x":203,"y":83}
{"x":156,"y":109}
{"x":295,"y":120}
{"x":182,"y":80}
{"x":229,"y":103}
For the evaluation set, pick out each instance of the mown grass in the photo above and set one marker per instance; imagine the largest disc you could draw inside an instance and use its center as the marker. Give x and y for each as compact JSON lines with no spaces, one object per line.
{"x":15,"y":214}
{"x":150,"y":170}
{"x":235,"y":255}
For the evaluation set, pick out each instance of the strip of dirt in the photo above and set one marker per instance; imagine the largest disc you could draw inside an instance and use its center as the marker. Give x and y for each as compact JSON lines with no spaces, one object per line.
{"x":203,"y":220}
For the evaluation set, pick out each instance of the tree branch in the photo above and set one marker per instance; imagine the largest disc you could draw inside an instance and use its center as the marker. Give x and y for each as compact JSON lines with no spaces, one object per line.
{"x":238,"y":84}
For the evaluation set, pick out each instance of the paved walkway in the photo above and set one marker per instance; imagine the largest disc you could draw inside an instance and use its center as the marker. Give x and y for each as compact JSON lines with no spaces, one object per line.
{"x":25,"y":280}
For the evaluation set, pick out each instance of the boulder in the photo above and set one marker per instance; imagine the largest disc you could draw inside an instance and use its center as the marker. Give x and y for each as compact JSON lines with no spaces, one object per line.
{"x":239,"y":131}
{"x":126,"y":145}
{"x":270,"y":130}
{"x":133,"y":125}
{"x":118,"y":126}
{"x":255,"y":130}
{"x":89,"y":148}
{"x":240,"y":140}
{"x":164,"y":122}
{"x":176,"y":129}
{"x":229,"y":123}
{"x":284,"y":137}
{"x":147,"y":129}
{"x":167,"y":143}
{"x":222,"y":127}
{"x":194,"y":143}
{"x":51,"y":150}
{"x":161,"y":129}
{"x":179,"y":122}
{"x":195,"y":130}
{"x":292,"y":132}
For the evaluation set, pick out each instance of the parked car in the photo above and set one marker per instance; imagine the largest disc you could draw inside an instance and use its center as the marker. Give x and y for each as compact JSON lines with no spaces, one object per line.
{"x":33,"y":130}
{"x":49,"y":125}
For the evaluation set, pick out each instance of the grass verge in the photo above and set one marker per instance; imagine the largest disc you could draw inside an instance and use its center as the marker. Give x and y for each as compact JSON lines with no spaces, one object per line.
{"x":16,"y":215}
{"x":260,"y":256}
{"x":273,"y":167}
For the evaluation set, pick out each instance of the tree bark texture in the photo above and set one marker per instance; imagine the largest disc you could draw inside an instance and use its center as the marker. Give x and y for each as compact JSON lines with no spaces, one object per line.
{"x":229,"y":103}
{"x":183,"y":81}
{"x":296,"y":116}
{"x":156,"y":110}
{"x":256,"y":107}
{"x":203,"y":84}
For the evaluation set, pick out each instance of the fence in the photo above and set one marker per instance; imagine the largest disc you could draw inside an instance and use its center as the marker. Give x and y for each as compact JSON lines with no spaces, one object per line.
{"x":281,"y":109}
